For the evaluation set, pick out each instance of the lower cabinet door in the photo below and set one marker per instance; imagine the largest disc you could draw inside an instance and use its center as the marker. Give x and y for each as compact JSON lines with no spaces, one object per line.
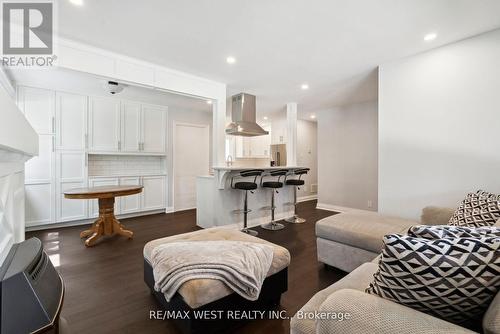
{"x":97,"y":182}
{"x":132,"y":203}
{"x":153,"y":194}
{"x":39,"y":204}
{"x":71,"y":209}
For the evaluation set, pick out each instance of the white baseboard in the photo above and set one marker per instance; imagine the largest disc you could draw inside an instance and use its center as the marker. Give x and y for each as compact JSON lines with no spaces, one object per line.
{"x":88,"y":221}
{"x":169,"y":209}
{"x":307,"y":198}
{"x":338,"y":208}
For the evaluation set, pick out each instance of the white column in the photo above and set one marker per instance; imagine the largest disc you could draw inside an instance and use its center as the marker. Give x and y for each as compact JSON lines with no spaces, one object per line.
{"x":219,"y":132}
{"x":291,"y":145}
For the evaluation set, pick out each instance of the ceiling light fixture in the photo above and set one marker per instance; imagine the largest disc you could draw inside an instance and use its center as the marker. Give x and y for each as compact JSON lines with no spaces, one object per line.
{"x":209,"y":102}
{"x":77,"y":2}
{"x":304,"y":86}
{"x":265,"y":118}
{"x":430,"y":37}
{"x":230,"y":60}
{"x":313,"y":116}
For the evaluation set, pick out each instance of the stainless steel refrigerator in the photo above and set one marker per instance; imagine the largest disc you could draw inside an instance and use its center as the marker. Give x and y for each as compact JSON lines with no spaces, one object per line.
{"x":278,"y":154}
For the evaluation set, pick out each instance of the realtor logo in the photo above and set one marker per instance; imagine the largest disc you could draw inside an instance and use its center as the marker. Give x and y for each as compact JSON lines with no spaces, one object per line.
{"x":27,"y":28}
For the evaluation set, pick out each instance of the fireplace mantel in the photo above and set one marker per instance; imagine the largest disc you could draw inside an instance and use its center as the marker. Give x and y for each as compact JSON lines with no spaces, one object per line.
{"x":18,"y":143}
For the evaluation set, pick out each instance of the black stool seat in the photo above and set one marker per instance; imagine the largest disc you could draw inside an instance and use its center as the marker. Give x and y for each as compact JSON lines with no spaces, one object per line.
{"x":245,"y":185}
{"x":272,"y":184}
{"x":296,"y":182}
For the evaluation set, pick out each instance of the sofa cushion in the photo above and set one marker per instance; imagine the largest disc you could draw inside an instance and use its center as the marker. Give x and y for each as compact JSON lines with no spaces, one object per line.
{"x":491,"y":320}
{"x":439,"y":232}
{"x":213,"y":289}
{"x":358,"y":279}
{"x":361,"y":229}
{"x":477,"y":209}
{"x":453,"y":279}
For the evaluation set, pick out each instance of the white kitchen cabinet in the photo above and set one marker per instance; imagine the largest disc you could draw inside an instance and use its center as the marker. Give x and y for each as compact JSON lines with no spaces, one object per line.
{"x":39,"y":203}
{"x":40,"y":169}
{"x":38,"y":106}
{"x":132,"y":203}
{"x":102,"y":181}
{"x":70,"y":173}
{"x":131,"y":127}
{"x":153,"y":194}
{"x":71,"y":120}
{"x":154,"y":124}
{"x":104,"y":124}
{"x":252,"y":147}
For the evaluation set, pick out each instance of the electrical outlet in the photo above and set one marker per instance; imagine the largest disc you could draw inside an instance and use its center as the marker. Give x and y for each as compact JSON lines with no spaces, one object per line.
{"x":370,"y":204}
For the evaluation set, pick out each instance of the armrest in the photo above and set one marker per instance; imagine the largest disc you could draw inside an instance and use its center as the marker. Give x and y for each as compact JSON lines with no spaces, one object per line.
{"x":374,"y":315}
{"x":433,"y":215}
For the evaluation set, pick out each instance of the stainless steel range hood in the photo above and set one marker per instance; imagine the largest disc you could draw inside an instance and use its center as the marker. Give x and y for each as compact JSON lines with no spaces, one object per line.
{"x":243,"y":117}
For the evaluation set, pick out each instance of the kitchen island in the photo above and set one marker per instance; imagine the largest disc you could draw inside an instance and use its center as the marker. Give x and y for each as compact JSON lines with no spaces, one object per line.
{"x":216,"y":201}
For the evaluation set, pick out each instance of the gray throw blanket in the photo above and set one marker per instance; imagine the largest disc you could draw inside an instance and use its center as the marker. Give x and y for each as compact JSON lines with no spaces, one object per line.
{"x":242,"y":266}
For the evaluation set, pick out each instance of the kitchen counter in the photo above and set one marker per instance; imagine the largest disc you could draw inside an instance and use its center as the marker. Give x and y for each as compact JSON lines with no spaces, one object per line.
{"x":216,"y":200}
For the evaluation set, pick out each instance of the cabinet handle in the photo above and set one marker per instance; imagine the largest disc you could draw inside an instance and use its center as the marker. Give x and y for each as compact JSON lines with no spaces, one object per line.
{"x":119,"y":145}
{"x":53,"y":124}
{"x":53,"y":143}
{"x":86,"y":141}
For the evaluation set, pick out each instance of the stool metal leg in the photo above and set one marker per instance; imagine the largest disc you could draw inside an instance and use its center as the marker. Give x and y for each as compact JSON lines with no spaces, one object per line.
{"x":295,"y":219}
{"x":273,"y":226}
{"x":245,"y":217}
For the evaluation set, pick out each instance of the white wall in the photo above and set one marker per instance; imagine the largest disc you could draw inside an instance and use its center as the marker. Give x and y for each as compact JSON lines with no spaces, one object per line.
{"x":307,"y":154}
{"x":439,"y":126}
{"x":183,"y":116}
{"x":347,"y":156}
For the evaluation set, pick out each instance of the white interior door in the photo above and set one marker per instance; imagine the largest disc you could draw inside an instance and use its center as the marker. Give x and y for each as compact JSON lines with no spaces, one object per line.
{"x":191,"y":159}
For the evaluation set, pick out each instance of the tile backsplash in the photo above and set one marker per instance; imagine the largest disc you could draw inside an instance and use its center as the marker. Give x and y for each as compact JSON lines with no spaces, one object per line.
{"x":117,"y":165}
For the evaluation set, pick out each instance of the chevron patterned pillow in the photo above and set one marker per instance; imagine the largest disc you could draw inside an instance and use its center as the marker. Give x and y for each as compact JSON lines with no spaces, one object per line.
{"x":453,"y":279}
{"x":477,"y":209}
{"x":445,"y":231}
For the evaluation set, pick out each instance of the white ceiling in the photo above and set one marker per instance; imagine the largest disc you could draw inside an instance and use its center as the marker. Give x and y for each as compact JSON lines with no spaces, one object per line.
{"x":333,"y":45}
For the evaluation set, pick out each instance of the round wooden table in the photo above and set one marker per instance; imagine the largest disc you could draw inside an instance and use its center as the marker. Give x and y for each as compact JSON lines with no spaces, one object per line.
{"x":106,"y":224}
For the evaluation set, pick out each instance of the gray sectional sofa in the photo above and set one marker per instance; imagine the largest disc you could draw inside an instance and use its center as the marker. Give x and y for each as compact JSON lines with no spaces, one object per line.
{"x":351,"y":242}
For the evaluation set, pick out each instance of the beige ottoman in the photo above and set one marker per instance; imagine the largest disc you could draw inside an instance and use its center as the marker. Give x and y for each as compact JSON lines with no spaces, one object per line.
{"x":208,"y":294}
{"x":347,"y":240}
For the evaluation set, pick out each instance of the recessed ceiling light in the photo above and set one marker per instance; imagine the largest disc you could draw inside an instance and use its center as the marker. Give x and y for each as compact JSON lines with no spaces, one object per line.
{"x":209,"y":102}
{"x":313,"y":116}
{"x":430,"y":37}
{"x":265,"y":118}
{"x":230,"y":60}
{"x":77,"y":2}
{"x":304,"y":86}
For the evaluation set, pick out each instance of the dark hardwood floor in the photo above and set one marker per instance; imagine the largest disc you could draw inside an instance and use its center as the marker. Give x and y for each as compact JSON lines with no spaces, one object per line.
{"x":105,"y":291}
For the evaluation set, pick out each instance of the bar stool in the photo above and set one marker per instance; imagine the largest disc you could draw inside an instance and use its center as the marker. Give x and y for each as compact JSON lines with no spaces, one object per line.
{"x":296,"y":183}
{"x":246,"y":186}
{"x":274,"y":185}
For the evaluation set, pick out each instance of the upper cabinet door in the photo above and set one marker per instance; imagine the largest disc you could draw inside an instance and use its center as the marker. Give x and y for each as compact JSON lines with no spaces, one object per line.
{"x":104,"y":124}
{"x":71,"y":117}
{"x":38,"y":106}
{"x":154,"y":123}
{"x":131,"y":127}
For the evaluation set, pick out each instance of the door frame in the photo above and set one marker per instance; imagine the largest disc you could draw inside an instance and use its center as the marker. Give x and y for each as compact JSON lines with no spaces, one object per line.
{"x":174,"y":153}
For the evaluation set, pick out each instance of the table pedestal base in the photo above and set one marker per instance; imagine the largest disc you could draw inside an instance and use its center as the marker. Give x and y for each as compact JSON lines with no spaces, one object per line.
{"x":106,"y":224}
